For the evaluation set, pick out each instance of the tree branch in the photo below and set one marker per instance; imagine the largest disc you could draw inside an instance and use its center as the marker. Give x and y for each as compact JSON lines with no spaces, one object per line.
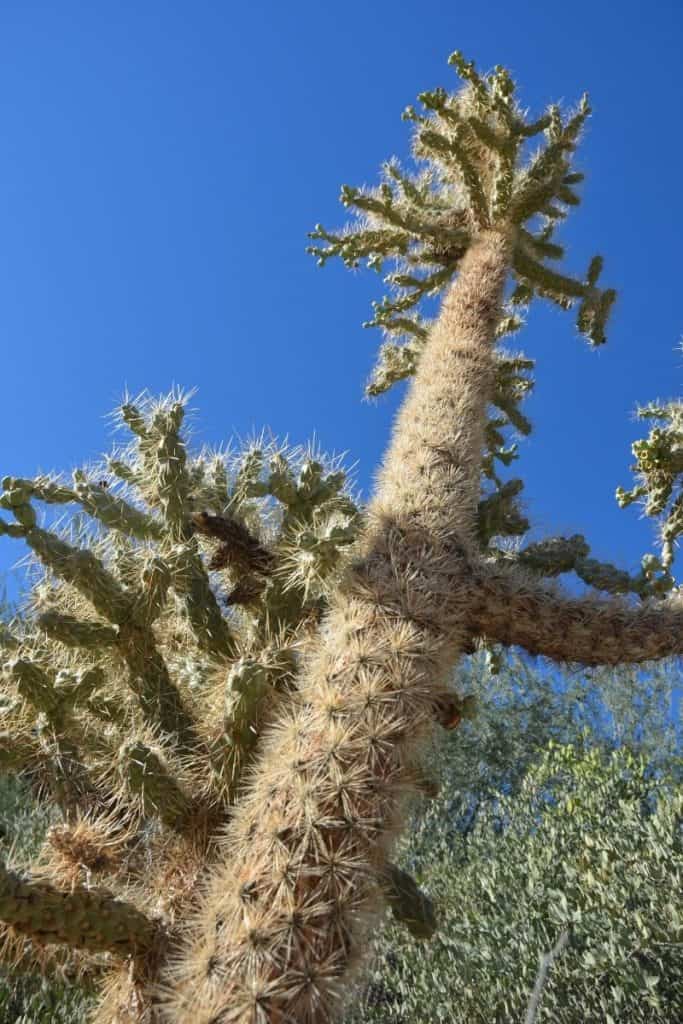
{"x":510,"y":607}
{"x":544,"y":966}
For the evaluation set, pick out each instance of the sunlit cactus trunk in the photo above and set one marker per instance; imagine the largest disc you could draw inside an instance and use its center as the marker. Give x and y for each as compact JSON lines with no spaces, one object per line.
{"x":283,"y":924}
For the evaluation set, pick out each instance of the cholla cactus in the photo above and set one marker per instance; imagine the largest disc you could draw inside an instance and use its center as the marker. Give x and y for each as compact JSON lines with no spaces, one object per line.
{"x":226,"y":678}
{"x":160,"y":640}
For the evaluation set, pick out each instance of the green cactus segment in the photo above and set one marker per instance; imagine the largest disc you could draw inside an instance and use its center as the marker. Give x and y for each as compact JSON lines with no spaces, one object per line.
{"x":191,"y":583}
{"x":16,"y":499}
{"x":247,"y":684}
{"x":160,"y":469}
{"x":15,"y":530}
{"x":557,"y":555}
{"x":95,"y":498}
{"x":250,"y":687}
{"x":113,"y":512}
{"x":46,"y":746}
{"x":124,"y":472}
{"x":36,"y":734}
{"x":77,"y":632}
{"x":147,"y":676}
{"x":512,"y":384}
{"x":42,"y":487}
{"x":304,"y":493}
{"x":78,"y":688}
{"x":284,"y":583}
{"x":248,"y":481}
{"x":56,"y":697}
{"x":134,"y":420}
{"x":146,"y":776}
{"x":167,"y":450}
{"x":659,"y":474}
{"x":319,"y":522}
{"x":35,"y":687}
{"x":154,"y":583}
{"x":82,"y":919}
{"x":158,"y":697}
{"x":498,"y":514}
{"x":83,"y":570}
{"x":410,"y":906}
{"x":594,"y":307}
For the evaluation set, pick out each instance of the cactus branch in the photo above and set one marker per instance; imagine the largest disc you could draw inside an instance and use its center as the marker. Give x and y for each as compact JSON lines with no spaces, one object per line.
{"x":191,"y":584}
{"x":82,"y":919}
{"x":83,"y":570}
{"x":77,"y":632}
{"x":148,"y":677}
{"x":509,"y":607}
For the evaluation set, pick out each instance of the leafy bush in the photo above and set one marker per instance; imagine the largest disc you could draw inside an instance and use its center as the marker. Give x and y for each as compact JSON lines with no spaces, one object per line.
{"x":588,"y":849}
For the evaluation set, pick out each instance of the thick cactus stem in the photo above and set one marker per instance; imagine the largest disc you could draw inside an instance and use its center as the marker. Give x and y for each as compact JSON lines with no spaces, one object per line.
{"x":282,"y":926}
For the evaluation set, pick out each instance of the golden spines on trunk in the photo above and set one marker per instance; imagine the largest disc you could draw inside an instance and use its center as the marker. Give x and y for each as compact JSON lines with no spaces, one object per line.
{"x":284,"y":920}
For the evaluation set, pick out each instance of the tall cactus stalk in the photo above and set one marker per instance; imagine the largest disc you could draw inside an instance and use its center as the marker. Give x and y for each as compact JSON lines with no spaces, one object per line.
{"x":223,"y":683}
{"x":286,"y":916}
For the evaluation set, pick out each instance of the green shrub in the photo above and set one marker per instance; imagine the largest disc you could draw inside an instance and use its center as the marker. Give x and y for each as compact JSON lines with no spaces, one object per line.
{"x":588,"y":849}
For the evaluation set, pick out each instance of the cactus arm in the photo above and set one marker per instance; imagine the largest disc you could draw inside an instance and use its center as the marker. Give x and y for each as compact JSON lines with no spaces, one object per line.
{"x":51,"y":751}
{"x":36,"y":687}
{"x":77,"y":632}
{"x":554,"y":556}
{"x":148,"y":677}
{"x":147,"y":777}
{"x":511,"y":607}
{"x":82,"y":919}
{"x":152,"y":590}
{"x":167,"y":459}
{"x":111,"y":510}
{"x":191,"y":583}
{"x":84,"y":571}
{"x":251,"y":688}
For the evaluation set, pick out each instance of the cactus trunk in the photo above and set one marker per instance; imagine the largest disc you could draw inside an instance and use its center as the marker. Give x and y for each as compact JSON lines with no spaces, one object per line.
{"x":284,"y":920}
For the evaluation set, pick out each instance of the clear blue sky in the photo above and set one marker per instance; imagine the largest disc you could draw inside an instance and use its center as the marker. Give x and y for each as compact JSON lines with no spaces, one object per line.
{"x":162,"y":163}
